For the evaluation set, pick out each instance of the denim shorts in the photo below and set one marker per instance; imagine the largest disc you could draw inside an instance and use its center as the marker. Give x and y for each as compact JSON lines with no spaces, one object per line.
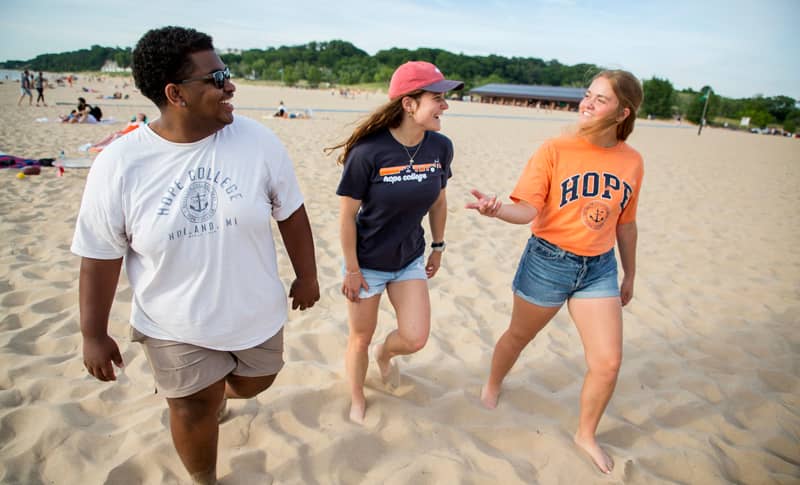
{"x":548,"y":275}
{"x":377,"y":280}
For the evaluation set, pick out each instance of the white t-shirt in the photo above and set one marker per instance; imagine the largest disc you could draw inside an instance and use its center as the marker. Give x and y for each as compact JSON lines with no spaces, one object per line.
{"x":192,"y":221}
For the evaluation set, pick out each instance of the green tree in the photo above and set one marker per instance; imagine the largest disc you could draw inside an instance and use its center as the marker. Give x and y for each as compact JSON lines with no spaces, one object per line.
{"x":659,"y":97}
{"x":760,"y":118}
{"x":792,"y":122}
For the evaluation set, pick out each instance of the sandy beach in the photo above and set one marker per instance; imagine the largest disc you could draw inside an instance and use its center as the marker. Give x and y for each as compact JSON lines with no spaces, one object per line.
{"x":709,"y":391}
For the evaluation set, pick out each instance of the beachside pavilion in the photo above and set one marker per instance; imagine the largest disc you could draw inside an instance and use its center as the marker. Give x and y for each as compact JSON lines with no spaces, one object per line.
{"x":551,"y":97}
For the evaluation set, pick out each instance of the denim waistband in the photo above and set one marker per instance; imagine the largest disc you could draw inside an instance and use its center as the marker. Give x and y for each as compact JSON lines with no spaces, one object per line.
{"x":563,"y":253}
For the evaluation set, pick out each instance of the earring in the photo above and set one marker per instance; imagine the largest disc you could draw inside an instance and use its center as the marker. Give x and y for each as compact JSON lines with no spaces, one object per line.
{"x":183,"y":103}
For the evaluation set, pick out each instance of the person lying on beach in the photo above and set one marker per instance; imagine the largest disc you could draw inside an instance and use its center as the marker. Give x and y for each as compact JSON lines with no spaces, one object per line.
{"x":580,"y":192}
{"x":139,"y":120}
{"x":186,"y":203}
{"x":381,"y":218}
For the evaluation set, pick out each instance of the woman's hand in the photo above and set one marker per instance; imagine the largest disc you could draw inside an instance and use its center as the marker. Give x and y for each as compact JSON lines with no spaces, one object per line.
{"x":486,"y":204}
{"x":626,"y":291}
{"x":352,"y":284}
{"x":434,"y":263}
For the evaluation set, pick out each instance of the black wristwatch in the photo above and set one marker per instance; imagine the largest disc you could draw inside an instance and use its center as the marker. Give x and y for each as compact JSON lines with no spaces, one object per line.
{"x":439,"y":246}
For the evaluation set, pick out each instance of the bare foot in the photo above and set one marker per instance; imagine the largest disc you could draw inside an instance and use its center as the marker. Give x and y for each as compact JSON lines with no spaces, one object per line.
{"x":598,"y":456}
{"x":358,"y":408}
{"x":489,"y":398}
{"x":384,"y":364}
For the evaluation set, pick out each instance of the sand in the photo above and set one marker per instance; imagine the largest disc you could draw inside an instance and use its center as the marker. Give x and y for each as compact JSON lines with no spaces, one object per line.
{"x":708,"y":392}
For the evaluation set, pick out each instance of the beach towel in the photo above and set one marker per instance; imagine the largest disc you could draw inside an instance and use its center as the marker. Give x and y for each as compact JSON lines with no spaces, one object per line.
{"x":10,"y":161}
{"x":75,"y":163}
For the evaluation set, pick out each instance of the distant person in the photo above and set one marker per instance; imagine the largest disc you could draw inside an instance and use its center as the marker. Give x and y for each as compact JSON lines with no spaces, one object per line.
{"x":581,"y":193}
{"x":305,"y":114}
{"x":281,"y":112}
{"x":40,"y":83}
{"x":186,"y":202}
{"x":396,"y":168}
{"x":25,"y":88}
{"x":139,"y":120}
{"x":84,"y":113}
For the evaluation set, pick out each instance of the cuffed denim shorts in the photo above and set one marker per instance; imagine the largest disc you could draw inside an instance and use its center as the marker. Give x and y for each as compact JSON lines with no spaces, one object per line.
{"x":377,"y":280}
{"x":548,"y":275}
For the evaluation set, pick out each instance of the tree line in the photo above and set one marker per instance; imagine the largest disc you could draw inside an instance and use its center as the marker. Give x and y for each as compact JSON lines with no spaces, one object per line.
{"x":339,"y":62}
{"x":663,"y":101}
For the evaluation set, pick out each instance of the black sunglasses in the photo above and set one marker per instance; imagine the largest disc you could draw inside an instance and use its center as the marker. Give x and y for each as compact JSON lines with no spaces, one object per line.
{"x":219,"y":78}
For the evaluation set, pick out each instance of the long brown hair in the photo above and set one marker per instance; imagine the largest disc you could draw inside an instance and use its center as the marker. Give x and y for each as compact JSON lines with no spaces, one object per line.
{"x":390,"y":115}
{"x":629,"y":92}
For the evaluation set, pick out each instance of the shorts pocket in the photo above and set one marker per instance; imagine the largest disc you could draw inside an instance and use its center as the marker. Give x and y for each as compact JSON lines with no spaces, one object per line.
{"x":545,"y":251}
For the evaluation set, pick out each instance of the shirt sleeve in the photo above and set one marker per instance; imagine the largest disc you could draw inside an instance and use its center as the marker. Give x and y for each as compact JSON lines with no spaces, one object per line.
{"x":100,"y":227}
{"x":283,"y":190}
{"x":628,"y":213}
{"x":355,"y":176}
{"x":448,"y":162}
{"x":534,"y":183}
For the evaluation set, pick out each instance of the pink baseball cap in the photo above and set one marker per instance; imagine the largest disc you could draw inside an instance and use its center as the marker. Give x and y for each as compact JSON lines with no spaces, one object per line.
{"x":414,"y":75}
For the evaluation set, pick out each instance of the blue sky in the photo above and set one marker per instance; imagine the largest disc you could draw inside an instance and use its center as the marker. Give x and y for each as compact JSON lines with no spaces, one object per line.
{"x":741,"y":48}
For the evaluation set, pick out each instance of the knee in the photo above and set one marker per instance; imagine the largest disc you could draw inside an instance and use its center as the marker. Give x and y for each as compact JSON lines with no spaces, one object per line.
{"x":606,"y":367}
{"x":238,"y":387}
{"x":517,"y":341}
{"x":192,"y":410}
{"x":359,"y":342}
{"x":415,"y":343}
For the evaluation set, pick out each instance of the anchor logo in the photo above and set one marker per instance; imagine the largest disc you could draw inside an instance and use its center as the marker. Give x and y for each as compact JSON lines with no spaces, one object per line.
{"x":200,"y":202}
{"x":595,"y":214}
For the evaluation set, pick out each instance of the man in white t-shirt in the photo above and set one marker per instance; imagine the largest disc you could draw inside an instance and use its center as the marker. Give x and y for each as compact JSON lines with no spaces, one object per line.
{"x":186,"y":202}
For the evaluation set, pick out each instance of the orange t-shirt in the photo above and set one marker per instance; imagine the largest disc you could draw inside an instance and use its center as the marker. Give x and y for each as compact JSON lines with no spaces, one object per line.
{"x":581,"y":192}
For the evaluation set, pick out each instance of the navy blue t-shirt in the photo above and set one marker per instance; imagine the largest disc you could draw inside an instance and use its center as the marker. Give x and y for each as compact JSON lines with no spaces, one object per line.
{"x":395,"y":195}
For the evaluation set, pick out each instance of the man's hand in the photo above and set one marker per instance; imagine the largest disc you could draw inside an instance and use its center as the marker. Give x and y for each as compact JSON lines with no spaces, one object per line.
{"x":304,"y":293}
{"x":98,"y":354}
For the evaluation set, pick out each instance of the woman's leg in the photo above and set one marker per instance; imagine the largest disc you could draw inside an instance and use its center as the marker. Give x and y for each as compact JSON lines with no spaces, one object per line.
{"x":527,"y":320}
{"x":363,"y":317}
{"x":599,"y":323}
{"x":412,"y":305}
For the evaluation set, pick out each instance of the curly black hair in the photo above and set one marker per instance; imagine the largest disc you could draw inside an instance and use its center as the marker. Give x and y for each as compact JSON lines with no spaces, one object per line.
{"x":162,"y":56}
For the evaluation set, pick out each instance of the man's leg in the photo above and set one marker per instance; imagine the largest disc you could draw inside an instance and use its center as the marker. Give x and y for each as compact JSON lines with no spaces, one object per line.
{"x":194,"y":427}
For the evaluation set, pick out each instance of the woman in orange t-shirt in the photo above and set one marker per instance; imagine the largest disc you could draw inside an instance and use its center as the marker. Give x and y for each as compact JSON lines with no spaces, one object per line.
{"x":580,"y":194}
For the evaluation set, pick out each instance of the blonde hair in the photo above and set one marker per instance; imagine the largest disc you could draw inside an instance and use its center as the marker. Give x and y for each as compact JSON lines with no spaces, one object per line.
{"x":390,"y":115}
{"x":628,"y":91}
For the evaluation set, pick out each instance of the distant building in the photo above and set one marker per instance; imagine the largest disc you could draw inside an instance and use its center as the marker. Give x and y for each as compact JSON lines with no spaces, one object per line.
{"x":552,"y":97}
{"x":112,"y":66}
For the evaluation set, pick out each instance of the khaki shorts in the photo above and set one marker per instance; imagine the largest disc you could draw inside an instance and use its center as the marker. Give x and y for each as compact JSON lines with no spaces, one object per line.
{"x":181,"y":369}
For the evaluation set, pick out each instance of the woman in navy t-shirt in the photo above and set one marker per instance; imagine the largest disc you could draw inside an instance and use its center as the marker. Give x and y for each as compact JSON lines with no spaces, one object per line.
{"x":396,"y":168}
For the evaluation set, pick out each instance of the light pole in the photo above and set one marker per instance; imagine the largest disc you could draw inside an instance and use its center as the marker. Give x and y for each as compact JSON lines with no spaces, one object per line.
{"x":703,"y":116}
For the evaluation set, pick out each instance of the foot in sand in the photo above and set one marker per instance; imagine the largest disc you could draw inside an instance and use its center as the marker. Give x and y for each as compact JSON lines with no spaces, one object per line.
{"x":358,"y":409}
{"x":489,"y":398}
{"x":599,"y":457}
{"x":384,"y":364}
